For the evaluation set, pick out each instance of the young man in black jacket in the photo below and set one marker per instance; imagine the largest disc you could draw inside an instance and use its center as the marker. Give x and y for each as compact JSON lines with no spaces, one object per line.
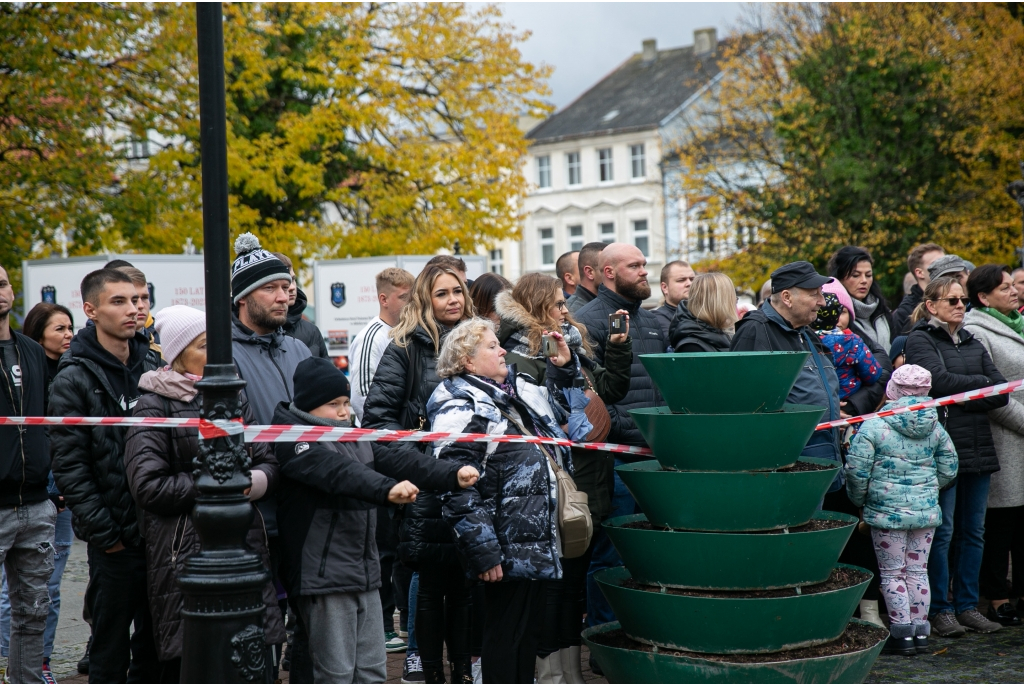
{"x":27,"y":515}
{"x":99,"y":376}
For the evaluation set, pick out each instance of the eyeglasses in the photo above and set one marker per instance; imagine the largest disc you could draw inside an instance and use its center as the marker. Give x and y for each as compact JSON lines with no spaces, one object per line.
{"x":952,"y":301}
{"x":561,"y":305}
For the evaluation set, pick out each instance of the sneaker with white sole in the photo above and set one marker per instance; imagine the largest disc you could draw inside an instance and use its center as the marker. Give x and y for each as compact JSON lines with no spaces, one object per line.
{"x":393,"y":643}
{"x":48,"y":674}
{"x":412,"y":672}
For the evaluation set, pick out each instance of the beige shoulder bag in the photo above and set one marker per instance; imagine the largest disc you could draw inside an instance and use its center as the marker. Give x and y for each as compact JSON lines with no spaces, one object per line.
{"x":575,"y":526}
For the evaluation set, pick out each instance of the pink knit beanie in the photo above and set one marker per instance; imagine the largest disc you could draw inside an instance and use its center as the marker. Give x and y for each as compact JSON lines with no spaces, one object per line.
{"x":178,"y":326}
{"x":837,"y":289}
{"x":910,"y":380}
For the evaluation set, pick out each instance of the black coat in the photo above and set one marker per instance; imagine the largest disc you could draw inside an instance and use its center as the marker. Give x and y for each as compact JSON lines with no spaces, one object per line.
{"x":88,"y":461}
{"x":901,"y":315}
{"x":958,"y":368}
{"x":304,"y":331}
{"x":158,"y":463}
{"x":423,"y":534}
{"x":689,"y":334}
{"x":24,"y":451}
{"x":647,"y":338}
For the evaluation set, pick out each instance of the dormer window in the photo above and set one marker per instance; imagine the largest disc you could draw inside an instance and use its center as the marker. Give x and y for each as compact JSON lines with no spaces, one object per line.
{"x":610,"y":115}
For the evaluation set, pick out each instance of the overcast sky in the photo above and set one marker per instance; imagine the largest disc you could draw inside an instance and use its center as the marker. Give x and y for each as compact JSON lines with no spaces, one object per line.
{"x":584,"y":41}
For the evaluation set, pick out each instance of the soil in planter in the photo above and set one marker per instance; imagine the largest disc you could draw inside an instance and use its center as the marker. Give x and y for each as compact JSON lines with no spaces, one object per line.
{"x":810,"y":526}
{"x":855,"y":638}
{"x":805,"y":466}
{"x":839,"y":579}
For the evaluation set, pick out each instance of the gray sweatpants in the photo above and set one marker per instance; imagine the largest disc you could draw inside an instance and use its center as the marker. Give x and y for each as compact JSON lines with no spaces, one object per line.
{"x":26,"y":549}
{"x":346,"y":637}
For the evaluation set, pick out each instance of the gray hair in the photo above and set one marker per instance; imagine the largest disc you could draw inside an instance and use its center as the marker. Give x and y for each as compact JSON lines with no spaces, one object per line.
{"x":461,"y":344}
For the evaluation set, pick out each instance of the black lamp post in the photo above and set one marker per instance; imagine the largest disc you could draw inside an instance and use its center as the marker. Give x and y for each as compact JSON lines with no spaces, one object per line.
{"x":223,"y":615}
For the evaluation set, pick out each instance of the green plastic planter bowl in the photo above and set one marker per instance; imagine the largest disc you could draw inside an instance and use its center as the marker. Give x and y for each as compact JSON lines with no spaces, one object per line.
{"x":712,"y":501}
{"x":728,"y":625}
{"x":724,"y":382}
{"x":727,"y":442}
{"x":729,"y":561}
{"x":635,"y":666}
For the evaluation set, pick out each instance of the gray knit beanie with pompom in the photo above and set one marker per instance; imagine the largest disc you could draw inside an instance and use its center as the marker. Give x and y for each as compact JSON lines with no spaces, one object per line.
{"x":253,"y":267}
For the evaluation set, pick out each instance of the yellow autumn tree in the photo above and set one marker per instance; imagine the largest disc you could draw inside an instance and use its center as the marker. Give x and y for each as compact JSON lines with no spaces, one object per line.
{"x":355,"y":129}
{"x":881,"y":125}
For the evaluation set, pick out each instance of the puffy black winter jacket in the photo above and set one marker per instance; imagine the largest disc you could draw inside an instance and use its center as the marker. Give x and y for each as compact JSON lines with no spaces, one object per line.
{"x":958,"y":368}
{"x":645,"y":333}
{"x":88,"y":461}
{"x":24,"y":451}
{"x":304,"y":331}
{"x":689,"y":334}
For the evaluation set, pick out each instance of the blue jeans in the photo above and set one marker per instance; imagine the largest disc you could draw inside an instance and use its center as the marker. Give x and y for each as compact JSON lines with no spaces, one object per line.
{"x":414,"y":589}
{"x":605,"y":556}
{"x":61,"y":551}
{"x":963,"y":508}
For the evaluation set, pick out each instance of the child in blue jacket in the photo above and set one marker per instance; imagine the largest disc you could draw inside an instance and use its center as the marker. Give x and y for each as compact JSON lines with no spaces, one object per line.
{"x":855,"y":365}
{"x":894,"y":470}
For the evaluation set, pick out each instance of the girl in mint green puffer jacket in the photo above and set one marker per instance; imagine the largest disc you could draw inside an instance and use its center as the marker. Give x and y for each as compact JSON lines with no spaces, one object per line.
{"x":894,"y":470}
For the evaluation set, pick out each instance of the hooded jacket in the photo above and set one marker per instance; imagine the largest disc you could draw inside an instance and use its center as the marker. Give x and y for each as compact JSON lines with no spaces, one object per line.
{"x":958,"y":367}
{"x":1006,"y":348}
{"x":24,"y":450}
{"x":690,"y":334}
{"x":88,"y":461}
{"x":646,"y":338}
{"x":510,"y":516}
{"x":159,"y":466}
{"x":304,"y":331}
{"x":896,"y":466}
{"x":765,"y":330}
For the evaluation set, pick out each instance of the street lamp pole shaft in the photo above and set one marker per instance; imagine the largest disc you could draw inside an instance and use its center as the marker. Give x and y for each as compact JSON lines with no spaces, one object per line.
{"x":223,"y":638}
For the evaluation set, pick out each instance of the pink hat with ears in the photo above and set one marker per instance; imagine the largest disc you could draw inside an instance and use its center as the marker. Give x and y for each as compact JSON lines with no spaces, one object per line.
{"x":837,"y":289}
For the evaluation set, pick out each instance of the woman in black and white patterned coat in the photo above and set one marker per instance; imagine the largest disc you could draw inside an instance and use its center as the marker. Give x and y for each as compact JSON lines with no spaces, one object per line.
{"x":506,"y":526}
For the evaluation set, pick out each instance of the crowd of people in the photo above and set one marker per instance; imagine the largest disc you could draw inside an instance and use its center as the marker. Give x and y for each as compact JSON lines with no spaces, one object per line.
{"x":486,"y":551}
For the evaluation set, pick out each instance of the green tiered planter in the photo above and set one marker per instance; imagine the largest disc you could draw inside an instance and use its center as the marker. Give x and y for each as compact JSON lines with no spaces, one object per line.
{"x":727,"y":442}
{"x":729,"y":561}
{"x":713,"y":501}
{"x":733,"y":383}
{"x":716,"y":487}
{"x":725,"y":625}
{"x":634,"y":666}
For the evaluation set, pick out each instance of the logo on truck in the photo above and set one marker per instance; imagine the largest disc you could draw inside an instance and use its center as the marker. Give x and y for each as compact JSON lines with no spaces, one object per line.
{"x":338,"y":294}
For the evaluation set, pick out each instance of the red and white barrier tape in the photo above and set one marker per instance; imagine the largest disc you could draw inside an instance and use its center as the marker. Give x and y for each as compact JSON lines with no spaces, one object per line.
{"x":992,"y":390}
{"x":209,"y":430}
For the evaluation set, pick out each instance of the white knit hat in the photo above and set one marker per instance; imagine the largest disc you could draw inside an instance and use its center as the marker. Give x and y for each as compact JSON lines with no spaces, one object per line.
{"x":178,"y":326}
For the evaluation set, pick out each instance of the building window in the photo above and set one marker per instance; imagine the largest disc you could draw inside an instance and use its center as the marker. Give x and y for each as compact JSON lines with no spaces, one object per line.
{"x":700,"y":237}
{"x":544,"y":171}
{"x":575,"y":238}
{"x":642,"y":237}
{"x":572,"y":164}
{"x":636,"y":157}
{"x":138,"y":149}
{"x":547,"y":246}
{"x":497,"y":263}
{"x":604,"y":159}
{"x":607,"y":232}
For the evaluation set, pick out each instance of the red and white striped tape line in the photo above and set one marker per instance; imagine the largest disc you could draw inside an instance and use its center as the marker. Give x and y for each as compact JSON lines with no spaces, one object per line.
{"x":209,"y":430}
{"x":992,"y":390}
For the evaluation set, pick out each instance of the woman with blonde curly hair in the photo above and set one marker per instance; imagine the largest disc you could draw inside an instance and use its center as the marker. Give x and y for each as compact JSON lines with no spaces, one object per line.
{"x":533,"y":308}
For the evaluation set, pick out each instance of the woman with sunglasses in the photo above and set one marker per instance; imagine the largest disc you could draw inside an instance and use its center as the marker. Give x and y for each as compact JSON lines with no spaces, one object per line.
{"x":958,"y":362}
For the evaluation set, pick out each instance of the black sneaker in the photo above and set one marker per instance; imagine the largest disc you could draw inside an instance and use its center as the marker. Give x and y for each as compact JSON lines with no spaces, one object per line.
{"x":1004,"y":615}
{"x":83,"y":663}
{"x":904,"y":646}
{"x":412,"y":672}
{"x":921,"y":644}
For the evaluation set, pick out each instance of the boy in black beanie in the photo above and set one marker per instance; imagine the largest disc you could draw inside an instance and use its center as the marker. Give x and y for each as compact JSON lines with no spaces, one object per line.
{"x":327,"y":518}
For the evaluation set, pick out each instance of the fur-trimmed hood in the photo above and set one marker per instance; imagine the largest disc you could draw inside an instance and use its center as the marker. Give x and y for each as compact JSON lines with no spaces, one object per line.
{"x":514,"y":317}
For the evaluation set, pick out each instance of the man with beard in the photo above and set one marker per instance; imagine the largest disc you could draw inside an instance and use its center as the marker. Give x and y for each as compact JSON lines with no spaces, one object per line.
{"x":99,"y":376}
{"x":266,"y":359}
{"x":27,"y":516}
{"x":623,"y":288}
